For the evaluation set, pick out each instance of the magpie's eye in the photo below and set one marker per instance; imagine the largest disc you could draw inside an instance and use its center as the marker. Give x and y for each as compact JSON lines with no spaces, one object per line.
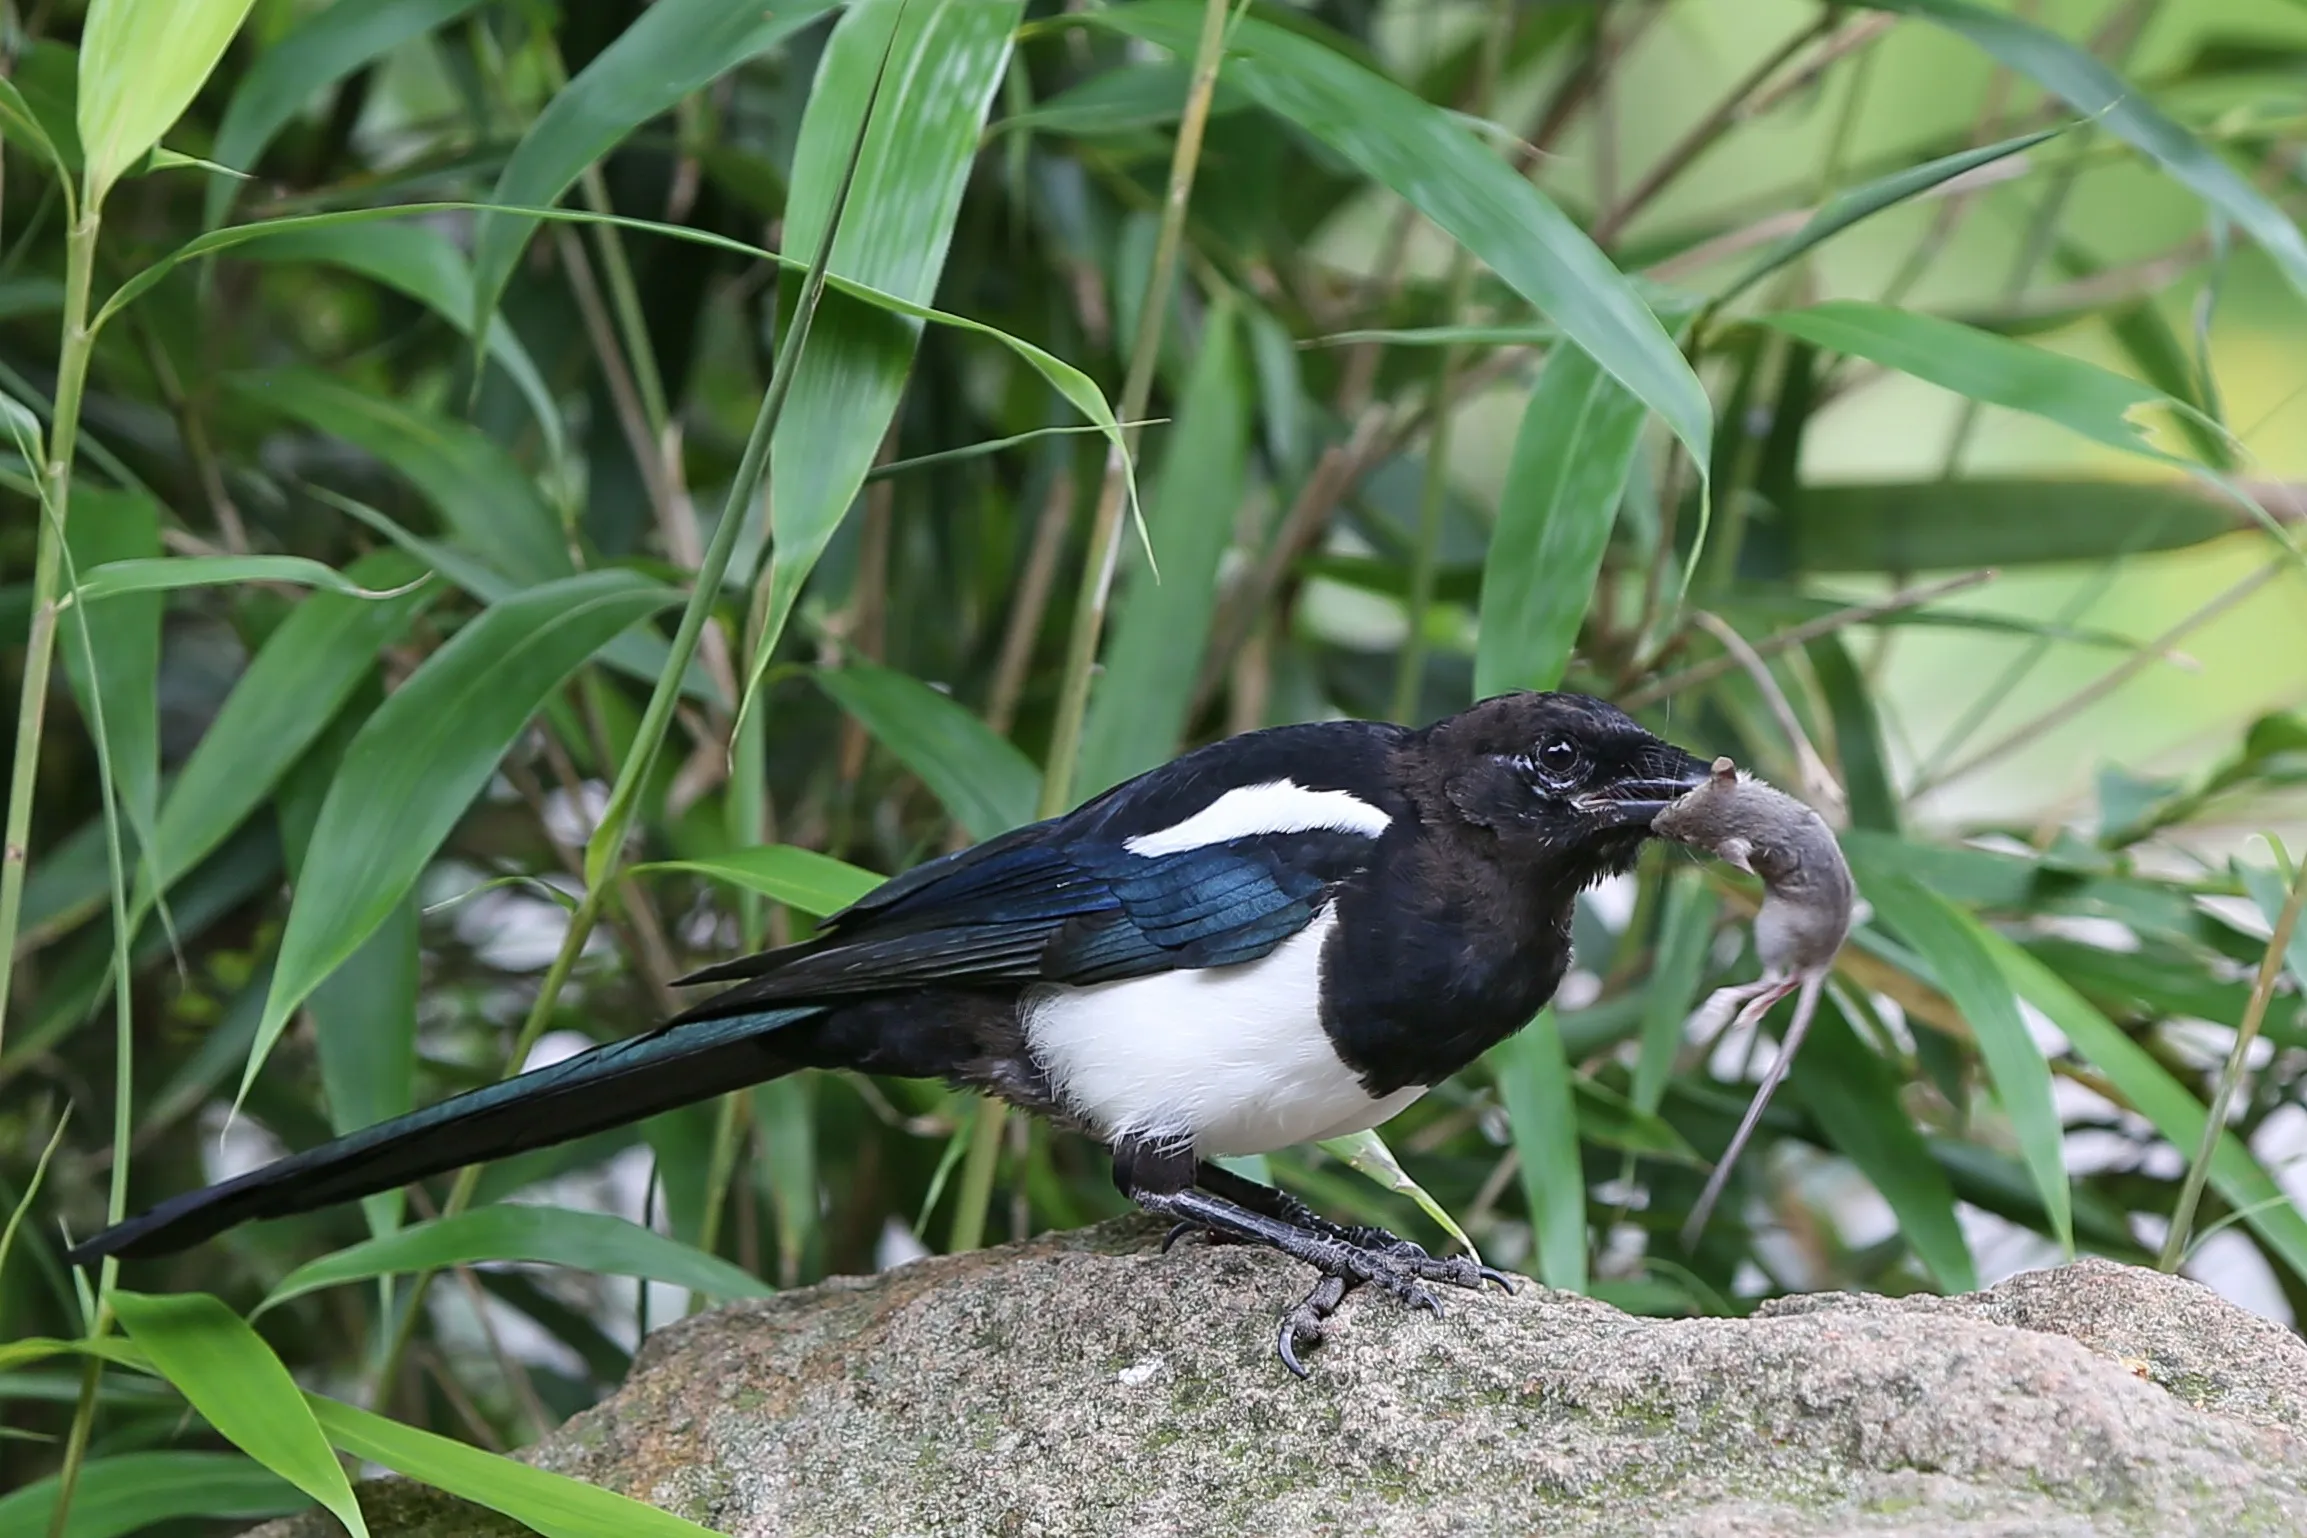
{"x":1559,"y":759}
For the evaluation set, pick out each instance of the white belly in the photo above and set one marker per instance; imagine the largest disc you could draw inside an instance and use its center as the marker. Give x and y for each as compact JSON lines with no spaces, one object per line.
{"x":1231,"y":1060}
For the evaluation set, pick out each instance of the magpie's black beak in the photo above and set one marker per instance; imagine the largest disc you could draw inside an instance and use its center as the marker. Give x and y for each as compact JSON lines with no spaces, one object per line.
{"x":1663,"y":776}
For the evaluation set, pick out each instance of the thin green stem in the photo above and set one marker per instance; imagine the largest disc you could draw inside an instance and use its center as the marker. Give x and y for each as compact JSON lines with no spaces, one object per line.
{"x":607,"y":845}
{"x":75,"y":344}
{"x":1137,"y":388}
{"x":1433,"y":502}
{"x":1104,"y":551}
{"x":2215,"y":1124}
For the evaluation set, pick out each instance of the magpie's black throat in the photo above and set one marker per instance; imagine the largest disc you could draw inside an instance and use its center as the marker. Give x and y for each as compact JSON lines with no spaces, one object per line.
{"x":1283,"y":937}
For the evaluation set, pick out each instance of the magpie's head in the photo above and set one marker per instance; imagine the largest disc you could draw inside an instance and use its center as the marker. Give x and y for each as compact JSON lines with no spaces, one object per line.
{"x":1558,"y":778}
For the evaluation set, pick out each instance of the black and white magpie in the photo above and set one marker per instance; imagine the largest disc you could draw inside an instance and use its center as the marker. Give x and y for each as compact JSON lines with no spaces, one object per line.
{"x":1285,"y":936}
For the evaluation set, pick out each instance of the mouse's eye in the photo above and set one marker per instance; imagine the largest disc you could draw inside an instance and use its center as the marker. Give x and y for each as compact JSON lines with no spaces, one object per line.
{"x":1559,"y":759}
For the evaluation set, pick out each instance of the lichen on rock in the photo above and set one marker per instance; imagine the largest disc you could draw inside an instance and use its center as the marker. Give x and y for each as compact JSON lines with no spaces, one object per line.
{"x":1085,"y":1384}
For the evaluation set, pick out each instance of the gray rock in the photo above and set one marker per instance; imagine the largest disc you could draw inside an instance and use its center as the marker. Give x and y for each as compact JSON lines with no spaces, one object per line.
{"x":1083,"y":1384}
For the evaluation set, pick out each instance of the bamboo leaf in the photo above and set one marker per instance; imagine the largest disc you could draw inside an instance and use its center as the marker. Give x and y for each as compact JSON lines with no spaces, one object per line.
{"x":1534,"y":1081}
{"x":288,"y":694}
{"x":419,"y":261}
{"x":364,"y":1014}
{"x":1942,"y":525}
{"x":1138,"y":713}
{"x":232,"y":1378}
{"x":1683,"y":934}
{"x":1853,"y":1096}
{"x":672,"y":48}
{"x":1865,"y":201}
{"x":551,"y":1504}
{"x":1077,"y":387}
{"x":1429,"y":158}
{"x":20,"y":124}
{"x":414,"y":768}
{"x":126,"y":1492}
{"x":326,"y":47}
{"x":943,"y":60}
{"x":1571,"y":458}
{"x":1981,"y":366}
{"x":141,"y":63}
{"x":2116,"y":105}
{"x":1366,"y":1154}
{"x":491,"y":503}
{"x":987,"y":784}
{"x":2154,"y":1094}
{"x":1954,"y":945}
{"x":817,"y":884}
{"x":166,"y":574}
{"x":584,"y":1241}
{"x":118,"y":526}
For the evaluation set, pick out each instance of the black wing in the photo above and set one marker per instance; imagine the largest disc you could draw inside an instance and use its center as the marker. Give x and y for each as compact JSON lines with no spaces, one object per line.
{"x":1065,"y":901}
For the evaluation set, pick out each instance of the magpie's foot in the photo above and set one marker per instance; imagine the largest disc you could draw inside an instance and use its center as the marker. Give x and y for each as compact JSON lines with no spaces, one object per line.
{"x":1455,"y":1270}
{"x":1303,"y":1326}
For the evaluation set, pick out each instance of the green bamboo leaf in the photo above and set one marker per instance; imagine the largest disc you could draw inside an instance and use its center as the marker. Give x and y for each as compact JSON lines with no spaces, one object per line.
{"x":121,"y":526}
{"x":2154,"y":1094}
{"x":1853,"y":1096}
{"x":1367,"y":1155}
{"x":419,"y":261}
{"x":817,"y":884}
{"x":1124,"y":100}
{"x":288,"y":694}
{"x":481,"y":493}
{"x":985,"y":782}
{"x":1571,"y":457}
{"x":141,"y":63}
{"x":417,"y":764}
{"x":672,"y":48}
{"x":1525,"y":335}
{"x":165,"y":574}
{"x":1941,"y":525}
{"x":1078,"y":388}
{"x":584,"y":1241}
{"x":1534,"y":1081}
{"x":364,"y":1015}
{"x":2270,"y":890}
{"x":324,"y":48}
{"x":785,"y":1123}
{"x":131,"y":1491}
{"x":2105,"y":97}
{"x":1980,"y":366}
{"x":1954,"y":945}
{"x":640,"y":654}
{"x":1871,"y":198}
{"x":1428,"y":158}
{"x":1138,"y":713}
{"x":1684,"y":931}
{"x":21,"y":125}
{"x":232,"y":1378}
{"x":551,"y":1504}
{"x":943,"y":60}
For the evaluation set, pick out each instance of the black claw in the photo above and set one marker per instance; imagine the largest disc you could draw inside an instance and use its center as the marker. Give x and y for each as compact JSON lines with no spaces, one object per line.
{"x":1177,"y":1230}
{"x":1304,"y":1322}
{"x":1506,"y":1284}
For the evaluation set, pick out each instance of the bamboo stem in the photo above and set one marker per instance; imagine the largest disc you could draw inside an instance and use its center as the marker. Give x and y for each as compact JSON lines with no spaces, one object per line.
{"x":1104,"y":552}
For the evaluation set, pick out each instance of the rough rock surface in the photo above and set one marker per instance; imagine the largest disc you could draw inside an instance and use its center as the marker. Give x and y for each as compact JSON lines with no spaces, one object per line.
{"x":1083,"y":1384}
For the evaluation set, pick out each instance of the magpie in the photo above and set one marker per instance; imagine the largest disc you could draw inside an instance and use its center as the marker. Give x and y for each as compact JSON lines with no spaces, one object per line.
{"x":1285,"y":936}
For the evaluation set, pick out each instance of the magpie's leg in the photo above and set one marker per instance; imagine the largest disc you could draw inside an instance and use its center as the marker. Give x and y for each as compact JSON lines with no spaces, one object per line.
{"x":1457,"y":1270}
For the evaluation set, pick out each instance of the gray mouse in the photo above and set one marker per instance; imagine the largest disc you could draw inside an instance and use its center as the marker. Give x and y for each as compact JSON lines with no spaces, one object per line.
{"x":1807,"y":907}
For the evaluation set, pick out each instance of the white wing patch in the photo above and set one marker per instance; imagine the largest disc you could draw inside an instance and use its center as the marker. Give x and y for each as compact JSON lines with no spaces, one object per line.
{"x":1226,"y":1060}
{"x":1277,"y":806}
